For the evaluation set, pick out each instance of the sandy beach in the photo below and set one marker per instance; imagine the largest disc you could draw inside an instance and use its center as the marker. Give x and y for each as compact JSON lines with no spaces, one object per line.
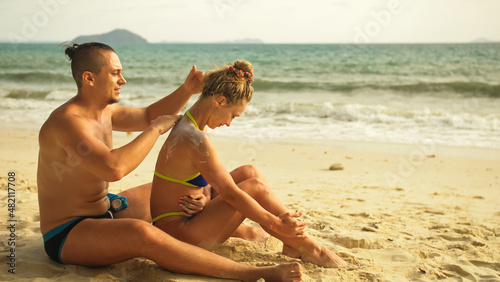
{"x":403,"y":212}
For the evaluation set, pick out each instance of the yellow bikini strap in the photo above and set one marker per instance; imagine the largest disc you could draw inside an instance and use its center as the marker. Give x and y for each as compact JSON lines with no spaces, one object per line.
{"x":192,"y":119}
{"x":165,"y":215}
{"x":181,"y":181}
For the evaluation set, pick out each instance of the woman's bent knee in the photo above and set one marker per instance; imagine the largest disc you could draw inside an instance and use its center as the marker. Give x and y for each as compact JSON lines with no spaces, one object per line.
{"x":245,"y":172}
{"x":255,"y":187}
{"x":251,"y":170}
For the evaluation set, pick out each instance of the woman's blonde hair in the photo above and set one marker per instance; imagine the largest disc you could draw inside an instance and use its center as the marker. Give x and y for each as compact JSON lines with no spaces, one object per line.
{"x":232,"y":81}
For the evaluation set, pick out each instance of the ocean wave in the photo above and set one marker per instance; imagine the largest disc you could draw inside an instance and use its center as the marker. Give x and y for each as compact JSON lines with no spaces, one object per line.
{"x":138,"y":80}
{"x":476,"y":89}
{"x":292,"y":113}
{"x":155,"y":83}
{"x":26,"y":94}
{"x":35,"y":77}
{"x":37,"y":95}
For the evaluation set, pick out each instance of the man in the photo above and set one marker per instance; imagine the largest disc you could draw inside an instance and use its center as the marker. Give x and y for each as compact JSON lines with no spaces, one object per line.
{"x":77,"y":161}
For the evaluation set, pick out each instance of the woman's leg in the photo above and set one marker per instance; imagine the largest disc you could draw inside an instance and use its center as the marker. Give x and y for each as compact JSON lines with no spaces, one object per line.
{"x":245,"y":172}
{"x":218,"y":221}
{"x":244,"y":231}
{"x":258,"y":187}
{"x":250,"y":233}
{"x":306,"y":248}
{"x":209,"y":228}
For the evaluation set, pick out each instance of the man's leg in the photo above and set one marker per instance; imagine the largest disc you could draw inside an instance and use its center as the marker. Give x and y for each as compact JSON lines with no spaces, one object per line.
{"x":138,"y":203}
{"x":97,"y":242}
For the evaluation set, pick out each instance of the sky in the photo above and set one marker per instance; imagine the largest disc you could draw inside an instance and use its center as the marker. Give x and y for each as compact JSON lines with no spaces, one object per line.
{"x":272,"y":21}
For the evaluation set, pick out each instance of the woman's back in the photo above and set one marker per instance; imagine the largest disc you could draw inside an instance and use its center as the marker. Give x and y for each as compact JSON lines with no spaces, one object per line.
{"x":175,"y":172}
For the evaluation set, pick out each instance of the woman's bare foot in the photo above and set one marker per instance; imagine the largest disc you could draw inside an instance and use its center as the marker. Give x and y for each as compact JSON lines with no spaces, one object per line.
{"x":288,"y":272}
{"x":320,"y":256}
{"x":250,"y":233}
{"x":291,"y":252}
{"x":325,"y":258}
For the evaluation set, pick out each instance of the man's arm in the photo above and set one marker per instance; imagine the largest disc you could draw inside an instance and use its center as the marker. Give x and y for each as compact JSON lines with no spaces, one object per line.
{"x":85,"y":150}
{"x":138,"y":119}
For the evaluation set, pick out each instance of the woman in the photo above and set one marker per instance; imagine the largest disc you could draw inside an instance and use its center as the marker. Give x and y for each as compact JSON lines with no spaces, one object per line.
{"x":188,"y":164}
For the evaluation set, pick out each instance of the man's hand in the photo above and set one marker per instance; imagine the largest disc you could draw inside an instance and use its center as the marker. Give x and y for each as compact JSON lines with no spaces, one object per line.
{"x":191,"y":205}
{"x":164,"y":123}
{"x":288,"y":226}
{"x":194,"y":81}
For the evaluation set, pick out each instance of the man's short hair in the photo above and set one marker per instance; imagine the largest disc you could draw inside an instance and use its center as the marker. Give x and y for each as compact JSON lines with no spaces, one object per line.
{"x":86,"y":57}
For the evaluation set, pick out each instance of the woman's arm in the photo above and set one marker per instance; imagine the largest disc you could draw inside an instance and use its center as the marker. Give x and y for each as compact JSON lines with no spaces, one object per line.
{"x":219,"y":178}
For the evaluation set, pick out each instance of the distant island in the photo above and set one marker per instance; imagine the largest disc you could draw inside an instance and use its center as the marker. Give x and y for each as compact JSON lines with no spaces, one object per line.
{"x":117,"y":36}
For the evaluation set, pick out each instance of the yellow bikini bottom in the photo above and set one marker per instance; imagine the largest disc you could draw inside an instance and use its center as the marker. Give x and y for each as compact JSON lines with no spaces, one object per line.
{"x":165,"y":215}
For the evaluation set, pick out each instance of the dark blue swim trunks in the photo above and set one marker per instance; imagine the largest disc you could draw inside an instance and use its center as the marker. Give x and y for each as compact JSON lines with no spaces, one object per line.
{"x":53,"y":240}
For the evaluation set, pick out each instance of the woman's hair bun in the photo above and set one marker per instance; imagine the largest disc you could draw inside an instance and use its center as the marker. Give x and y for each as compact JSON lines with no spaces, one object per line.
{"x":232,"y":81}
{"x":244,"y":66}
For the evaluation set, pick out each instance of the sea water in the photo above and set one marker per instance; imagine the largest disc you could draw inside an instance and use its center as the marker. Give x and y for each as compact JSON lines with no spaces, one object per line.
{"x":398,"y":93}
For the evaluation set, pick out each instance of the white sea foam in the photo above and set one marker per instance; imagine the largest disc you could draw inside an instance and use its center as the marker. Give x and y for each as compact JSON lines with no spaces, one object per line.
{"x":268,"y":117}
{"x":369,"y":122}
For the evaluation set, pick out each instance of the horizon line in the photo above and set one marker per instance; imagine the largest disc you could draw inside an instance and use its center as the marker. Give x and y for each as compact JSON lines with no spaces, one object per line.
{"x":267,"y":43}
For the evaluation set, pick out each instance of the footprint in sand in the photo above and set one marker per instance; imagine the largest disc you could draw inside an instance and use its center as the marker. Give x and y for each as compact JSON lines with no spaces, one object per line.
{"x":363,"y":240}
{"x":392,"y":257}
{"x":492,"y":265}
{"x":460,"y":271}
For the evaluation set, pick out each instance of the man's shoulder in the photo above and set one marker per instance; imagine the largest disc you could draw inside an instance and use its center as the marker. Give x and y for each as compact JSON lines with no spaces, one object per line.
{"x":58,"y":116}
{"x":61,"y":120}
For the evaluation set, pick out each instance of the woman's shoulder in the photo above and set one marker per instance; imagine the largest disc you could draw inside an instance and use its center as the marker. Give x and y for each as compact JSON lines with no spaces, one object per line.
{"x":184,"y":133}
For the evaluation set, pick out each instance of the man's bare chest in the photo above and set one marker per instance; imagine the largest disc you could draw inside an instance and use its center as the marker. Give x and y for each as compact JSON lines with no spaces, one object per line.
{"x":103,"y":130}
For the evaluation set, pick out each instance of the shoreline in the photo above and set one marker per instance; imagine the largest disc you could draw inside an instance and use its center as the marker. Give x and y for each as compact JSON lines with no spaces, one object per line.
{"x":402,"y":211}
{"x":424,"y":145}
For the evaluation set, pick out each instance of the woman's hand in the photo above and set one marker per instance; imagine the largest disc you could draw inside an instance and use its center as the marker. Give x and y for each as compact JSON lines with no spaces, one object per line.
{"x":288,"y":226}
{"x":191,"y":205}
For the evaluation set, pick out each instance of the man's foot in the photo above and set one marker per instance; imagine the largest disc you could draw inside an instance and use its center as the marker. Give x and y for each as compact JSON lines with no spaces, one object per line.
{"x":250,"y":233}
{"x":287,"y":272}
